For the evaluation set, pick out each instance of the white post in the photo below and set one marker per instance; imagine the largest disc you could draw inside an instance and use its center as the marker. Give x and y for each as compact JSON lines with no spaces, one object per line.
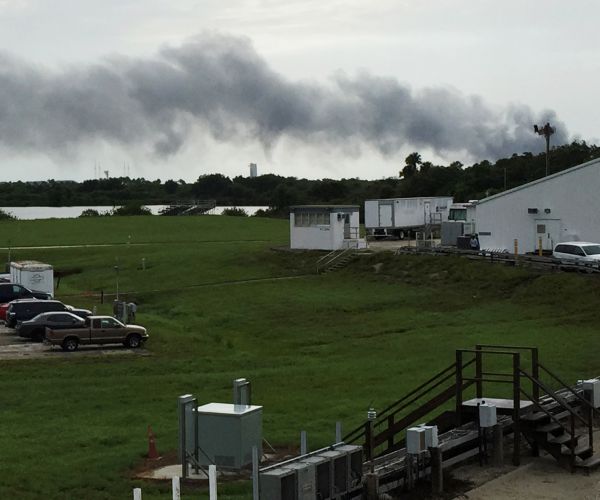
{"x":212,"y":481}
{"x":137,"y":493}
{"x":338,"y":432}
{"x":303,"y":443}
{"x":176,"y":489}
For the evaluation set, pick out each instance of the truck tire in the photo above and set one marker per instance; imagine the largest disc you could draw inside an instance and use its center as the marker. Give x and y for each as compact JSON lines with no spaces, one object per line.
{"x":70,"y":344}
{"x":133,"y":341}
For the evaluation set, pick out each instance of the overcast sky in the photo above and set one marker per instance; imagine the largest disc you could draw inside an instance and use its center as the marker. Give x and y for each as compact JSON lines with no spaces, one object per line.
{"x":301,"y":87}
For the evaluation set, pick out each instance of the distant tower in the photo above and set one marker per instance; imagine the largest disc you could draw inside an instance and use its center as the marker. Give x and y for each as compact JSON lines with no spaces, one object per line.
{"x":253,"y":170}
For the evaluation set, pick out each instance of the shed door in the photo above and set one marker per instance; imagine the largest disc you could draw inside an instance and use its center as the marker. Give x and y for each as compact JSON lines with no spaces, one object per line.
{"x":386,"y":215}
{"x":549,"y":231}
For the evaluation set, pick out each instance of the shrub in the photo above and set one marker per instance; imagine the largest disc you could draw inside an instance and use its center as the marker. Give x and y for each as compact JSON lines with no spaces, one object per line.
{"x":90,"y":212}
{"x":132,"y":209}
{"x":235,"y":212}
{"x":6,"y":215}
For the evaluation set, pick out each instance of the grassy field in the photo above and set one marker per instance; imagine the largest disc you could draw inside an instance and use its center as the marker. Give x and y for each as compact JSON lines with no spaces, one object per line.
{"x":317,"y":348}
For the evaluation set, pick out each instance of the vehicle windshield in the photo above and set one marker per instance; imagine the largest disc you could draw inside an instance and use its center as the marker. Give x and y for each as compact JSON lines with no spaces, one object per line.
{"x":591,"y":249}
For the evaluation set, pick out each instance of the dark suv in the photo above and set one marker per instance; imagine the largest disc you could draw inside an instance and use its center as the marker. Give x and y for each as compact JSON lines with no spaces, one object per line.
{"x":12,"y":291}
{"x":22,"y":310}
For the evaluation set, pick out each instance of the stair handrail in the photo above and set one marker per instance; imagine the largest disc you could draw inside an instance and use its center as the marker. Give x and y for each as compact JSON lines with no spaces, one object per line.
{"x":570,"y":389}
{"x":335,"y":257}
{"x":556,"y":397}
{"x":540,"y":407}
{"x":398,"y":405}
{"x":325,"y":256}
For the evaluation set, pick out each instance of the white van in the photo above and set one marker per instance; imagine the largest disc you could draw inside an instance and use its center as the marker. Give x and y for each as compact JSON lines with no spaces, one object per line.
{"x":577,"y":251}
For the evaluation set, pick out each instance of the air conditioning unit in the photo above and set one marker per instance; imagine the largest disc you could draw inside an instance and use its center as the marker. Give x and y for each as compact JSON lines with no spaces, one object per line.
{"x":306,"y":480}
{"x":487,"y":415}
{"x":355,"y":464}
{"x":323,"y":479}
{"x":415,"y":440}
{"x":339,"y":473}
{"x":591,"y":392}
{"x":278,"y":484}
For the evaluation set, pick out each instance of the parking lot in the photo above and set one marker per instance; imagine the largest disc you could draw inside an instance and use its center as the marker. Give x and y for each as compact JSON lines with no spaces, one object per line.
{"x":14,"y":347}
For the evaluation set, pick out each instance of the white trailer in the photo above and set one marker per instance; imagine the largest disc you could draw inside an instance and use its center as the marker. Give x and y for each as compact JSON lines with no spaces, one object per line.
{"x":34,"y":275}
{"x":398,"y":216}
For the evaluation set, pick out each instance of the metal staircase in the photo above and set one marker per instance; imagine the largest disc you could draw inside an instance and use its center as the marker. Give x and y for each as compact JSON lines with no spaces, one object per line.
{"x":335,"y":260}
{"x":550,"y":415}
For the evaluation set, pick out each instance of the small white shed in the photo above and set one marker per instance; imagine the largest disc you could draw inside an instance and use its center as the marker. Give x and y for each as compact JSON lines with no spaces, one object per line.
{"x":561,"y":207}
{"x":325,"y":227}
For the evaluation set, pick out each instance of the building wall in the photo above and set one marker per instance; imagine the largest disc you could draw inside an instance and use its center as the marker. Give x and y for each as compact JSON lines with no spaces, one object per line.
{"x":321,"y":237}
{"x":571,"y":198}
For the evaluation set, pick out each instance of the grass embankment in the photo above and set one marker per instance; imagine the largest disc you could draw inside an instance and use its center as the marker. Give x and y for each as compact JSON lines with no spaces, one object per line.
{"x":317,"y":349}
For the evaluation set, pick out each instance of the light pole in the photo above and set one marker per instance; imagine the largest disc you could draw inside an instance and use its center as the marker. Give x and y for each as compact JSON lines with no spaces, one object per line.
{"x":546,"y":131}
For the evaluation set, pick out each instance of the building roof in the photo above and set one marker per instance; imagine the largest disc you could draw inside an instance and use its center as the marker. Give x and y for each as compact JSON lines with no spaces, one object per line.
{"x":331,"y":208}
{"x":590,"y":163}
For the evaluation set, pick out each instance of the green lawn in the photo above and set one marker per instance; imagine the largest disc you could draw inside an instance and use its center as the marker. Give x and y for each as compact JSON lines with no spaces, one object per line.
{"x":317,"y":349}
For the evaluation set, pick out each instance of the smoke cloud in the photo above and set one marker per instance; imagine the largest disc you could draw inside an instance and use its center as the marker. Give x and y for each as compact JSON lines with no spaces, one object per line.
{"x":222,"y":85}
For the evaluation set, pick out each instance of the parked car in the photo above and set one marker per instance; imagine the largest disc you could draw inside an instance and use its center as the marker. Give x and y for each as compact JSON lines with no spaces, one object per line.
{"x":22,"y":310}
{"x":35,"y":328}
{"x":578,"y":252}
{"x":98,"y":330}
{"x":82,"y":313}
{"x":3,"y":309}
{"x":13,"y":291}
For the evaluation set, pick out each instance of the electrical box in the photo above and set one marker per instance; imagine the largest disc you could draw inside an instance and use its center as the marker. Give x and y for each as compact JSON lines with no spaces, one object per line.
{"x":338,"y":470}
{"x":415,"y":440}
{"x":431,"y":436}
{"x":278,"y":484}
{"x":591,"y":392}
{"x":227,"y":433}
{"x":322,"y":472}
{"x":487,"y":415}
{"x":306,"y":480}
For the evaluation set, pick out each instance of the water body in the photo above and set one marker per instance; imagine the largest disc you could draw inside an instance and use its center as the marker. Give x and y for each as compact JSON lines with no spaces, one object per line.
{"x":28,"y":213}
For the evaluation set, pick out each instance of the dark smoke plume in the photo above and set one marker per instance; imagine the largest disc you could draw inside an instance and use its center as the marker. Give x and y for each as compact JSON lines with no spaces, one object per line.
{"x":222,"y":85}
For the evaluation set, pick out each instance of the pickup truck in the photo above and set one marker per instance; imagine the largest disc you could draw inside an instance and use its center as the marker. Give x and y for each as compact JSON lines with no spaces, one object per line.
{"x":97,"y":330}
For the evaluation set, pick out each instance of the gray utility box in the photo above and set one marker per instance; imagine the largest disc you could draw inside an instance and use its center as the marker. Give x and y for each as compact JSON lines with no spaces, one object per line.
{"x":355,"y":464}
{"x":321,"y":469}
{"x":338,"y":471}
{"x":278,"y":484}
{"x":306,"y":480}
{"x":227,"y":433}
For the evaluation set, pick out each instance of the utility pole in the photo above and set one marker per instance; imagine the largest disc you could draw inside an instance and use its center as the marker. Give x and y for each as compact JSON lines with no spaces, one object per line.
{"x":546,"y":131}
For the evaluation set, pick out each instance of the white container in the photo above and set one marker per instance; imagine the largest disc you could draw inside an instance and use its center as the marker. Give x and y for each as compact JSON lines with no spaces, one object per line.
{"x":431,"y":436}
{"x":34,"y":275}
{"x":406,"y":213}
{"x":415,"y":440}
{"x":591,"y":392}
{"x":487,"y":415}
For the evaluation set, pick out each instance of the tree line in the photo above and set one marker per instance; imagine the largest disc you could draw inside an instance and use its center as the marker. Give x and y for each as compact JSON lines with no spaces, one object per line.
{"x":415,"y":177}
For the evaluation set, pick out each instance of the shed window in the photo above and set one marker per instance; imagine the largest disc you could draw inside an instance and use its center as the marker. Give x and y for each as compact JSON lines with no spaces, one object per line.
{"x":541,"y":228}
{"x":307,"y":219}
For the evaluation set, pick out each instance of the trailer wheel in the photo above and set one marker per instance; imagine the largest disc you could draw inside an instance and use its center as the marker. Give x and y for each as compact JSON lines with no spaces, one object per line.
{"x":133,"y":341}
{"x":70,"y":344}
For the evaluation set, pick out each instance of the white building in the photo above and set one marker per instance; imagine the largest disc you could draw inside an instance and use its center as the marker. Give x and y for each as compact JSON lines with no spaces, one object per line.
{"x":253,"y":170}
{"x":561,"y":207}
{"x":325,"y":227}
